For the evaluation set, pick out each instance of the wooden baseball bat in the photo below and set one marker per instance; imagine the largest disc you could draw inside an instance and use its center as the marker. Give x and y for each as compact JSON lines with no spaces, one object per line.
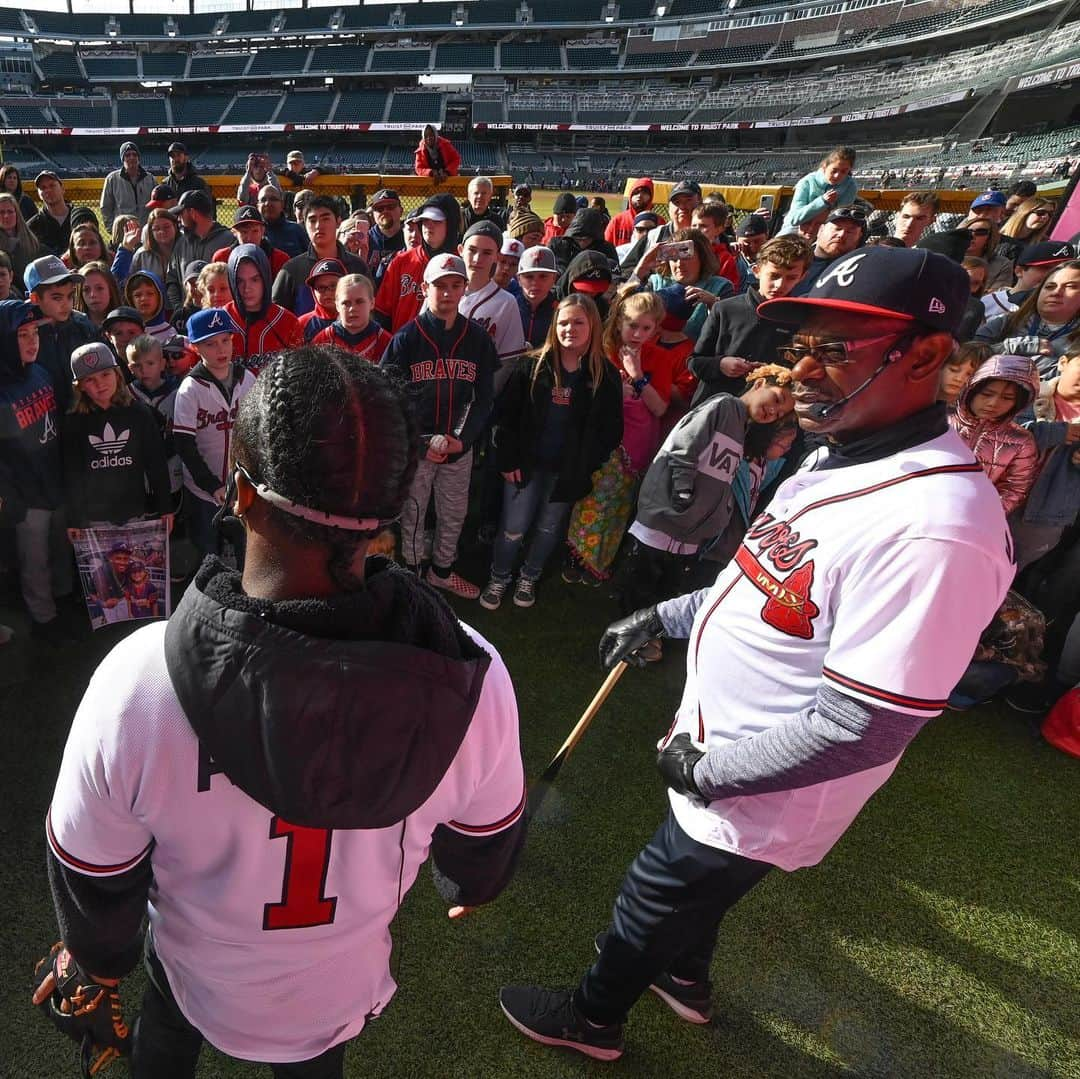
{"x":543,"y":784}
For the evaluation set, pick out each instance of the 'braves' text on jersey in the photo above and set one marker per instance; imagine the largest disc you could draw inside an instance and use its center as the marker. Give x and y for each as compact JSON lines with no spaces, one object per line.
{"x":876,"y":578}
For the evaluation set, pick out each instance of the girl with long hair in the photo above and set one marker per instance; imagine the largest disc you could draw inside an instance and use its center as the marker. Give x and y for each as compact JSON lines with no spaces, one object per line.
{"x":16,"y":240}
{"x":820,"y":192}
{"x":557,"y":419}
{"x":98,"y":294}
{"x":149,"y":249}
{"x":86,"y":245}
{"x":1045,"y":326}
{"x":11,"y":182}
{"x":985,"y":237}
{"x":1029,"y":224}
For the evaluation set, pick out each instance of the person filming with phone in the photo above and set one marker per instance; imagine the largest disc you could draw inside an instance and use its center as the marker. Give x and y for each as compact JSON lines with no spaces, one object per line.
{"x":686,"y":260}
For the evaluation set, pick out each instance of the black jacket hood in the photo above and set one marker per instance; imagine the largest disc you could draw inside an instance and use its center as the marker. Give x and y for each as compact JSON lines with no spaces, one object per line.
{"x":332,"y":713}
{"x":452,"y":209}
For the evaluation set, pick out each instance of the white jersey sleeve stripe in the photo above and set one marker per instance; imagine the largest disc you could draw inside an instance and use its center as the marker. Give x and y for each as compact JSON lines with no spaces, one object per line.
{"x":919,"y":704}
{"x":510,"y":819}
{"x":89,"y":868}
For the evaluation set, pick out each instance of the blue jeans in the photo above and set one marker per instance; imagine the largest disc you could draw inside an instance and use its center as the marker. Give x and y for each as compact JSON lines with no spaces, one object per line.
{"x":522,"y":509}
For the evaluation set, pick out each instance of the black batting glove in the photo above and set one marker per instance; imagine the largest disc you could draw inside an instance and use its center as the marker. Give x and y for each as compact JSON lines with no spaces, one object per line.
{"x":676,"y":763}
{"x":622,"y":639}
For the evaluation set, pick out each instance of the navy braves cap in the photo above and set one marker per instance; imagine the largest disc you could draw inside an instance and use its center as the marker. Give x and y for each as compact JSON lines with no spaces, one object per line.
{"x":193,"y":269}
{"x":88,"y":359}
{"x":902,"y":283}
{"x":209,"y":323}
{"x":161,"y":194}
{"x":195,"y":200}
{"x":685,"y":187}
{"x":48,"y":270}
{"x":384,"y":197}
{"x":248,"y":213}
{"x":325,"y":266}
{"x":646,"y":217}
{"x":1047,"y":253}
{"x":753,"y":225}
{"x":989,"y":198}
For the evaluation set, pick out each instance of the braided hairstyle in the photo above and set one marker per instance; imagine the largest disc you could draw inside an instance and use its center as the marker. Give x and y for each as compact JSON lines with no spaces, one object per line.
{"x":334,"y":432}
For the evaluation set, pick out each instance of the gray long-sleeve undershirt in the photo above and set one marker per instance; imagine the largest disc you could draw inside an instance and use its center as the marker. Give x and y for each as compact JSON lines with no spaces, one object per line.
{"x":837,"y":737}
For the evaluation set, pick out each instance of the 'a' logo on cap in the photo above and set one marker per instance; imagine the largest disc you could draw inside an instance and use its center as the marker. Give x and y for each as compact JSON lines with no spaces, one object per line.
{"x":448,"y":263}
{"x":936,"y":306}
{"x":1064,"y":251}
{"x":843,"y":273}
{"x":216,"y":320}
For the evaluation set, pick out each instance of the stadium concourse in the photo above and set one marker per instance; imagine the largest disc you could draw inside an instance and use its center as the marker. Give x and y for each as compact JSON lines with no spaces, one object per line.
{"x":382,"y":384}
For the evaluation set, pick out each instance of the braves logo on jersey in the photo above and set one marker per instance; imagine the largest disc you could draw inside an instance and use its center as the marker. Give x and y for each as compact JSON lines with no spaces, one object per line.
{"x":788,"y":606}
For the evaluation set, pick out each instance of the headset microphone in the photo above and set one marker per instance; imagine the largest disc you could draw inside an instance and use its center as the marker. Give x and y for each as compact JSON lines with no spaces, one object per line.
{"x":825,"y":409}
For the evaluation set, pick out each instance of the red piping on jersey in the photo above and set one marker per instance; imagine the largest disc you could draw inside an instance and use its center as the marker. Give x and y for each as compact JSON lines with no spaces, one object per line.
{"x":89,"y":867}
{"x":938,"y":471}
{"x":923,"y":704}
{"x":697,"y":648}
{"x":498,"y":826}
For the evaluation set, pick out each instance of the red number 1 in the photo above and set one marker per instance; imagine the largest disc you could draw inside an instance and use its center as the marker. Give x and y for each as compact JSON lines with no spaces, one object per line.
{"x":307,"y":858}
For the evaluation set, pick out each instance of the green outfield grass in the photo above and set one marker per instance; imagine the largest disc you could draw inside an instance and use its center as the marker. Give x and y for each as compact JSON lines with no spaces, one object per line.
{"x":940,"y":938}
{"x":543,"y":202}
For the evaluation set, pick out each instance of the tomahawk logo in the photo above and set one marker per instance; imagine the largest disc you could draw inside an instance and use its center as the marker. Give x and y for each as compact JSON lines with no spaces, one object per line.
{"x":109,"y":445}
{"x":842,"y":272}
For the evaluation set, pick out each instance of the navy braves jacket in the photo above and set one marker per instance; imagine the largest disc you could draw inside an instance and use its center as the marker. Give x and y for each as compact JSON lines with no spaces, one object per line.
{"x":450,"y":375}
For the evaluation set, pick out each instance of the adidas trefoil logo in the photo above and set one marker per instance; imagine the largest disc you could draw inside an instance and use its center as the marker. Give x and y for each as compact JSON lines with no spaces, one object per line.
{"x":109,"y":446}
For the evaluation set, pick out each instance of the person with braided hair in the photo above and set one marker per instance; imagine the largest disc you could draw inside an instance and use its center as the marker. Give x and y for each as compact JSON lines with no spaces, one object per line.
{"x":264,"y":774}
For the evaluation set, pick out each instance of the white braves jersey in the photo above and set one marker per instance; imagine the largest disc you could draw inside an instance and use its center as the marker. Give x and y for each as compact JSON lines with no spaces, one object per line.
{"x":275,"y":938}
{"x":202,"y":411}
{"x":879,"y":579}
{"x":497,"y":311}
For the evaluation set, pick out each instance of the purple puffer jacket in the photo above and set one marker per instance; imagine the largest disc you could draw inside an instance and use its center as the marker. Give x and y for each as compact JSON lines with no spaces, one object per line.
{"x":1006,"y":451}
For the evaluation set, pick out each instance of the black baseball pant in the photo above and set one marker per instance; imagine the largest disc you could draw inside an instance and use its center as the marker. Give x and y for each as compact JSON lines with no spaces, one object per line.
{"x":667,"y":916}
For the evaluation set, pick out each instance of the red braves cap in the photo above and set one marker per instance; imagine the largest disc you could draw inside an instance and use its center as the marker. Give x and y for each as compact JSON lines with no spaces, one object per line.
{"x":902,"y":283}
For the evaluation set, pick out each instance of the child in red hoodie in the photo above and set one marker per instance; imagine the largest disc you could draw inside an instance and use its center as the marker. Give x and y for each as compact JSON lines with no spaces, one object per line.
{"x":323,"y":282}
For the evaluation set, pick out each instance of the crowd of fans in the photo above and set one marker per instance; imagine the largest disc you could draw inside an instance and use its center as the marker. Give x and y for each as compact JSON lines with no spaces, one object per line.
{"x":565,"y":372}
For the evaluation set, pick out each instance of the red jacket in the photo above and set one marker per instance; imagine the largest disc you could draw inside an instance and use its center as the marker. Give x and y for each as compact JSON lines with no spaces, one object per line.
{"x":551,"y":230}
{"x":277,"y":258}
{"x":727,"y":266}
{"x":450,"y":157}
{"x":399,"y":298}
{"x":620,"y":229}
{"x":370,"y":344}
{"x":278,"y":329}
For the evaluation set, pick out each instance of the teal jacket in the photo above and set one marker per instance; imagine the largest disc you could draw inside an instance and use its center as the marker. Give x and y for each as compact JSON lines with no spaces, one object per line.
{"x":808,"y":200}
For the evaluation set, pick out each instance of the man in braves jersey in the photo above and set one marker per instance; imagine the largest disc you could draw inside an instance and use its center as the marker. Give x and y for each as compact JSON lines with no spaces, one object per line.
{"x":400,"y":295}
{"x":263,"y":776}
{"x":484,"y":301}
{"x":848,"y":614}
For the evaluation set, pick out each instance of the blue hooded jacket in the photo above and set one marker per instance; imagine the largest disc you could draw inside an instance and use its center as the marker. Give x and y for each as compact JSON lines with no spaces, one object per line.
{"x":31,"y":469}
{"x":157,"y":325}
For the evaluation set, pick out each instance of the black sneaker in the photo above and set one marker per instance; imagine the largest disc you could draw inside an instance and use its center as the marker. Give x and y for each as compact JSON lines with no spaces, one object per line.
{"x":550,"y":1018}
{"x":690,"y":1002}
{"x":492,"y":596}
{"x":525,"y":593}
{"x":571,"y":573}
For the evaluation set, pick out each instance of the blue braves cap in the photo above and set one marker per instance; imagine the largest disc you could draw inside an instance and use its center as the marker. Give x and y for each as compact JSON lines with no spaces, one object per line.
{"x":902,"y":283}
{"x":989,"y":198}
{"x":209,"y":323}
{"x":677,"y":306}
{"x":48,"y":270}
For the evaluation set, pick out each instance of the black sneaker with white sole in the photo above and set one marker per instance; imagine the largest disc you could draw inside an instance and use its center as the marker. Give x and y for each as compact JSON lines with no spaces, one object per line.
{"x":525,"y":593}
{"x":691,"y":1002}
{"x":550,"y":1018}
{"x":492,"y":596}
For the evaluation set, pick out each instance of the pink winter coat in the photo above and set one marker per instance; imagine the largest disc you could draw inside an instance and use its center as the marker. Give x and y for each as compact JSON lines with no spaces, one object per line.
{"x":1007,"y":452}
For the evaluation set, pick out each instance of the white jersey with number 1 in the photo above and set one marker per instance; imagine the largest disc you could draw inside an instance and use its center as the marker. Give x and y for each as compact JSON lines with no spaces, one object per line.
{"x":275,"y":938}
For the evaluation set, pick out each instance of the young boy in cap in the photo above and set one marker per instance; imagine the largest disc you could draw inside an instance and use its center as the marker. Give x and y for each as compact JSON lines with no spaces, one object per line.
{"x":51,"y":286}
{"x":449,"y":362}
{"x":536,"y":277}
{"x":353,"y":328}
{"x":121,"y":326}
{"x":323,"y":281}
{"x":506,"y":266}
{"x":1033,"y":267}
{"x":484,"y":301}
{"x":203,"y":417}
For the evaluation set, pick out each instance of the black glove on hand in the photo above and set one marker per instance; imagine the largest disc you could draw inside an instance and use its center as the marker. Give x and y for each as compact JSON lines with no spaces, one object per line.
{"x":676,"y":763}
{"x":623,"y":638}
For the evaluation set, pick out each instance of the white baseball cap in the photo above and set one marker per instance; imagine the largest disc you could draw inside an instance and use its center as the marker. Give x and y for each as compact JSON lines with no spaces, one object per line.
{"x":510,"y":246}
{"x":444,"y":266}
{"x":430,"y":213}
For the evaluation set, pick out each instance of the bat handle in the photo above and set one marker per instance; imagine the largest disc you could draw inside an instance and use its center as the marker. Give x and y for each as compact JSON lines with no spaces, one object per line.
{"x":595,"y":705}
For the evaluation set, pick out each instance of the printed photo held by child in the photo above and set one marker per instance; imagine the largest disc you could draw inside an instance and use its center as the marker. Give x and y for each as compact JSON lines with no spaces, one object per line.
{"x":557,"y":420}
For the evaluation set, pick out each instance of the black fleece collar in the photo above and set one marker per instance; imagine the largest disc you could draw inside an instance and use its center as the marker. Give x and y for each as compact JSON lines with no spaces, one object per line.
{"x":913,"y":430}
